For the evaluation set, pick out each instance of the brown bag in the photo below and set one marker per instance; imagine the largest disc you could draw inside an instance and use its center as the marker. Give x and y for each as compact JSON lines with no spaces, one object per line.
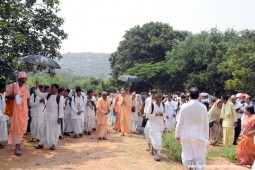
{"x":10,"y":104}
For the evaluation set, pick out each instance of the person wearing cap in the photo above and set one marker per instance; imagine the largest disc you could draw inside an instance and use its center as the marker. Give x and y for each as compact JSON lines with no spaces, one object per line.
{"x":239,"y":111}
{"x":19,"y":118}
{"x":103,"y":109}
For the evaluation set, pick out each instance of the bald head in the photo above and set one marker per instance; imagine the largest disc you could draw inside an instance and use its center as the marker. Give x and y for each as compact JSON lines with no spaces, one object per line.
{"x":233,"y":99}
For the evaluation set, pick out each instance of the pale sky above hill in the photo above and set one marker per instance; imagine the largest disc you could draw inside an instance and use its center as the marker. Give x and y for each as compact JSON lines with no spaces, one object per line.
{"x":99,"y":25}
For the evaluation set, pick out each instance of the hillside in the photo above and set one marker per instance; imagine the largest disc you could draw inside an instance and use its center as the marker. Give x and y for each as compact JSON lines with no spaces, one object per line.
{"x":85,"y":64}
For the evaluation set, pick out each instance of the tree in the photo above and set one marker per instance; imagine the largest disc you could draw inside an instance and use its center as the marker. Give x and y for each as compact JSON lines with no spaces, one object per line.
{"x":195,"y":61}
{"x":27,"y":27}
{"x":146,"y":44}
{"x":240,"y":67}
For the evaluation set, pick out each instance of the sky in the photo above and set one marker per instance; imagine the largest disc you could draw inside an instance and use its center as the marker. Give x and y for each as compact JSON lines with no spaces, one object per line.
{"x":99,"y":25}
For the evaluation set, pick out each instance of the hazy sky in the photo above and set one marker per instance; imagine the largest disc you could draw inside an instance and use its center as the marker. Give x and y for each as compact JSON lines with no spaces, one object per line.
{"x":99,"y":25}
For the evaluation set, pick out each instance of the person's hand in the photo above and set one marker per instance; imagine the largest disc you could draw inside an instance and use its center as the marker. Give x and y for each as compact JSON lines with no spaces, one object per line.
{"x":59,"y":120}
{"x":106,"y":113}
{"x":36,"y":84}
{"x":178,"y":139}
{"x":235,"y":124}
{"x":160,"y":114}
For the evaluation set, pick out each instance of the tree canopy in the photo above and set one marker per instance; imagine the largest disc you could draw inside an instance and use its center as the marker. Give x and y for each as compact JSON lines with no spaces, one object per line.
{"x":27,"y":27}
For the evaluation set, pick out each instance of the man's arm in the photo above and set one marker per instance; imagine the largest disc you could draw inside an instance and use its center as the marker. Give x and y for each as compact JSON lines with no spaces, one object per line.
{"x":179,"y":125}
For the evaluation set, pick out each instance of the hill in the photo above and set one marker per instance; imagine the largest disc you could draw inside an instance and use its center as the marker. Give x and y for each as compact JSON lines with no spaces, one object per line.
{"x":85,"y":65}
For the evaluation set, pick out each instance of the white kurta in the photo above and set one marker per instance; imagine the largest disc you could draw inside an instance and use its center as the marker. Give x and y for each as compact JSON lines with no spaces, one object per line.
{"x":156,"y":125}
{"x":89,"y":117}
{"x":36,"y":114}
{"x":178,"y":105}
{"x":148,"y":102}
{"x":193,"y":129}
{"x":3,"y":124}
{"x":170,"y":113}
{"x":77,"y":120}
{"x":134,"y":116}
{"x":68,"y":126}
{"x":49,"y":130}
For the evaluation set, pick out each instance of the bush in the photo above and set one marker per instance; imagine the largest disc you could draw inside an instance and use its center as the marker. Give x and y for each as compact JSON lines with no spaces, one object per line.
{"x":173,"y":146}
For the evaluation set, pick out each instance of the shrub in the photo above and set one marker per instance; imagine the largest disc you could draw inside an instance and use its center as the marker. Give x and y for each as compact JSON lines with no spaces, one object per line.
{"x":173,"y":146}
{"x":229,"y":152}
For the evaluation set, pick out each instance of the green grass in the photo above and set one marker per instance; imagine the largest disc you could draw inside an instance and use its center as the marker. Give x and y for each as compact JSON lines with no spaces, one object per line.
{"x":175,"y":150}
{"x":173,"y":146}
{"x":228,"y":152}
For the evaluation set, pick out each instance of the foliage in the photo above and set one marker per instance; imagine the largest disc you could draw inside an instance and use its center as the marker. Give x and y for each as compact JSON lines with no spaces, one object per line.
{"x":27,"y":27}
{"x":194,"y":61}
{"x":240,"y":67}
{"x":173,"y":146}
{"x":96,"y":84}
{"x":144,"y":44}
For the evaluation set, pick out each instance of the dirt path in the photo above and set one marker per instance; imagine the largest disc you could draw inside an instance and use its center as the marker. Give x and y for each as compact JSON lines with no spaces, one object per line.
{"x":118,"y":152}
{"x":87,"y":153}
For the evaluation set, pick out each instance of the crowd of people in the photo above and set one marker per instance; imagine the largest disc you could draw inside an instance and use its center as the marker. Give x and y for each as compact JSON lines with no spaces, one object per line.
{"x":196,"y":118}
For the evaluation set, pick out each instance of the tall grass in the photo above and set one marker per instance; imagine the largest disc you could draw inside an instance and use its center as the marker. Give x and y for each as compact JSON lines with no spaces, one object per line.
{"x":173,"y":146}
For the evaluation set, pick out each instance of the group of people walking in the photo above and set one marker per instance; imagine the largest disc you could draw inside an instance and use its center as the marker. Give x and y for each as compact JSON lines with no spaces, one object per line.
{"x":197,"y":121}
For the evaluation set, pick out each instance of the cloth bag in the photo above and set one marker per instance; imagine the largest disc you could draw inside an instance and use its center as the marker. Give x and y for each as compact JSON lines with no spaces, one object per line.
{"x":10,"y":104}
{"x":18,"y":98}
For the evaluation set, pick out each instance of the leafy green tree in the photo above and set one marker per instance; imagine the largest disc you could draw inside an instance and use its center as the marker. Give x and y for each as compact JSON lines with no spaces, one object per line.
{"x":27,"y":27}
{"x":144,"y":44}
{"x":240,"y":67}
{"x":195,"y":61}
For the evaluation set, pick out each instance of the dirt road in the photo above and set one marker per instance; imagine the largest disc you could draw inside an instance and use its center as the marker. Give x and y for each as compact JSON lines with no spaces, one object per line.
{"x":118,"y":152}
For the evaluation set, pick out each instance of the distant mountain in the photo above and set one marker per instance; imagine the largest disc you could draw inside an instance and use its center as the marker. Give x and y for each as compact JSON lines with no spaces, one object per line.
{"x":85,"y":65}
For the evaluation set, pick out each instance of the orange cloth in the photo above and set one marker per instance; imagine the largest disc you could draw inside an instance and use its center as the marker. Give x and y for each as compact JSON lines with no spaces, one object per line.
{"x":125,"y":111}
{"x":102,"y":119}
{"x":246,"y":148}
{"x":116,"y":109}
{"x":19,"y":119}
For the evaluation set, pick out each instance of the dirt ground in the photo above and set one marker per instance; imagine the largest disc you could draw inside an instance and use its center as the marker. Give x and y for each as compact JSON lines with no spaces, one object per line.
{"x":118,"y":152}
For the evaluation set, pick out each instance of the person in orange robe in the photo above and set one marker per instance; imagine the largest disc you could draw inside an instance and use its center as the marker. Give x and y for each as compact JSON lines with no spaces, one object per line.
{"x":125,"y":112}
{"x":102,"y":116}
{"x":116,"y":109}
{"x":19,"y":119}
{"x":246,"y":148}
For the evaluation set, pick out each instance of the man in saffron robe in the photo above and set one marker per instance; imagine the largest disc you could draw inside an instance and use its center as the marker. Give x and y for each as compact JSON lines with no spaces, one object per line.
{"x":19,"y":119}
{"x":116,"y":109}
{"x":102,"y":116}
{"x":125,"y":111}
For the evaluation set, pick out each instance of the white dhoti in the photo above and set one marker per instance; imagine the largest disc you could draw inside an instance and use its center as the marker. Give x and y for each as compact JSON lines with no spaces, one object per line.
{"x":170,"y":123}
{"x":89,"y":123}
{"x":133,"y":122}
{"x":77,"y":126}
{"x":156,"y":138}
{"x":193,"y":153}
{"x":68,"y":126}
{"x":3,"y":131}
{"x":146,"y":132}
{"x":49,"y":133}
{"x":35,"y":126}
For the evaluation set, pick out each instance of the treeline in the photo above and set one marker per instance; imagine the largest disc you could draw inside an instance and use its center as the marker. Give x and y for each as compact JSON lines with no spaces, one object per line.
{"x":214,"y":61}
{"x":96,"y":84}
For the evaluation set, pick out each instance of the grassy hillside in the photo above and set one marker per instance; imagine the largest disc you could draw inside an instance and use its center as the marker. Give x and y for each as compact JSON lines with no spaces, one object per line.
{"x":85,"y":65}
